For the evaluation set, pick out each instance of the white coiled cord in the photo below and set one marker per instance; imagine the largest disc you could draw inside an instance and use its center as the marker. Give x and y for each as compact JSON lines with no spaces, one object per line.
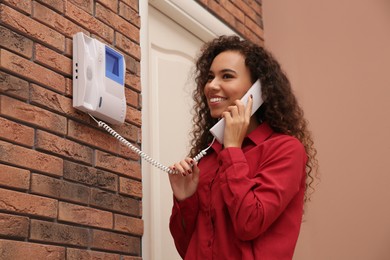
{"x":141,"y":153}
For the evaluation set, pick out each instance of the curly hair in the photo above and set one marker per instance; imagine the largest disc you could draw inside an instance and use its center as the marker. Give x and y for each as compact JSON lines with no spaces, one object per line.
{"x":280,"y":108}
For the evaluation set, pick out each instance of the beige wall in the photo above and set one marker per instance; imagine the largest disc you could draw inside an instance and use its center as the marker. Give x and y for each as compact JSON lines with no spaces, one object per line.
{"x":337,"y":55}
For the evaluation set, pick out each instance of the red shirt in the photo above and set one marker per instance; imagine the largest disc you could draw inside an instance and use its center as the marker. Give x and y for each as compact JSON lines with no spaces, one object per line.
{"x":249,"y":201}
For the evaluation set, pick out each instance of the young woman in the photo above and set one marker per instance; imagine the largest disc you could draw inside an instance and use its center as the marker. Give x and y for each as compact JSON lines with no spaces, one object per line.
{"x":244,"y":199}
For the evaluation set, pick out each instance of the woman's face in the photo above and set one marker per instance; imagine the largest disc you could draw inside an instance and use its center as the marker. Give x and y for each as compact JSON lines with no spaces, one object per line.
{"x":229,"y":79}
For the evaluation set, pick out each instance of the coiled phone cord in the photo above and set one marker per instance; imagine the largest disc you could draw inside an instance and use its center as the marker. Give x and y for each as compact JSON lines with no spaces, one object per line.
{"x":141,"y":153}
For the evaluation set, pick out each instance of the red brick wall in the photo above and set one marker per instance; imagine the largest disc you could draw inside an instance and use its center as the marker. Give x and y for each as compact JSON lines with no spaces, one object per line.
{"x":243,"y":16}
{"x":67,"y":189}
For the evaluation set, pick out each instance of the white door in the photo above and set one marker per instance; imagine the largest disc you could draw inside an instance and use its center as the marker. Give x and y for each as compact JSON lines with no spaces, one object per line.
{"x":173,"y":40}
{"x":171,"y":58}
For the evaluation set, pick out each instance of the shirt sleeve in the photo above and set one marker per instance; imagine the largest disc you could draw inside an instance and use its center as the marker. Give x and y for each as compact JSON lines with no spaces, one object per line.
{"x":182,"y":222}
{"x":256,"y":197}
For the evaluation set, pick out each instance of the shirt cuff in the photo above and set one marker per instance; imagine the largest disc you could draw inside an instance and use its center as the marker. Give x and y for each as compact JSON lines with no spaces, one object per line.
{"x":188,"y":205}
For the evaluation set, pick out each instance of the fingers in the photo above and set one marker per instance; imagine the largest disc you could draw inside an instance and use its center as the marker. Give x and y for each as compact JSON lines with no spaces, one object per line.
{"x":184,"y":167}
{"x":248,"y":108}
{"x":239,"y":109}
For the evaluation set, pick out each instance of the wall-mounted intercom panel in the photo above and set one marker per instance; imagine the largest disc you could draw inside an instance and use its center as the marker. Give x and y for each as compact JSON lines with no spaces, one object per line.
{"x":98,"y":79}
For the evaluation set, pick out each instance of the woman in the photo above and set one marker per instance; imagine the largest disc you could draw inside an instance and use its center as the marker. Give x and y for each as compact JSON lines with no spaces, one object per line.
{"x":244,"y":199}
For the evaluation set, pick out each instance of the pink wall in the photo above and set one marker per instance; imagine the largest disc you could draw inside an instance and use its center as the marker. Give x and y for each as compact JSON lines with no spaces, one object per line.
{"x":337,"y":55}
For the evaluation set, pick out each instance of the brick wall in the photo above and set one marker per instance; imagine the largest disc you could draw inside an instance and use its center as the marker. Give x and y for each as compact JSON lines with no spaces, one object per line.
{"x":67,"y":189}
{"x":243,"y":16}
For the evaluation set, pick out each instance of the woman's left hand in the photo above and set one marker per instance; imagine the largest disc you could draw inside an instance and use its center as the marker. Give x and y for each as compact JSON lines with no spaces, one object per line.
{"x":237,"y":120}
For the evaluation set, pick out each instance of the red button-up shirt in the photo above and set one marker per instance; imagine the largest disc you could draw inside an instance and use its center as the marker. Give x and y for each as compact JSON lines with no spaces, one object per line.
{"x":249,"y":201}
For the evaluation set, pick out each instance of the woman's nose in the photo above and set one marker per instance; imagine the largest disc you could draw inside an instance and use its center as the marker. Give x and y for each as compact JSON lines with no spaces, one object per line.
{"x":214,"y":83}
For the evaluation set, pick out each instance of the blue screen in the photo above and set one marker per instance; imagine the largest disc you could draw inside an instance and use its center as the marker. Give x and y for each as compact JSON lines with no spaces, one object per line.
{"x":114,"y":65}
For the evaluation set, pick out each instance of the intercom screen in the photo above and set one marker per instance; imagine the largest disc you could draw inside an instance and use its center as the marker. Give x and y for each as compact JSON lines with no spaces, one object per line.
{"x":114,"y":65}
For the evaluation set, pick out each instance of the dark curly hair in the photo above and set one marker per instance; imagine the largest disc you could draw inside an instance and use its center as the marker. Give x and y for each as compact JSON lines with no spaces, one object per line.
{"x":280,"y":108}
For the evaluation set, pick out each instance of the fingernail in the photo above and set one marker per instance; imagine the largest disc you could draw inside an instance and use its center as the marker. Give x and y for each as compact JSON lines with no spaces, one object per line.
{"x":189,"y":171}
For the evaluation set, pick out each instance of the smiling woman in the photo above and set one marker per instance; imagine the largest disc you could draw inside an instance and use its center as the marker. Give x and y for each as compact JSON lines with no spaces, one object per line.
{"x":244,"y":199}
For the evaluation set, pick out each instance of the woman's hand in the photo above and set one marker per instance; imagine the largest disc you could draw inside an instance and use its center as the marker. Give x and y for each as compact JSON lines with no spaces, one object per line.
{"x":185,"y":182}
{"x":237,"y":120}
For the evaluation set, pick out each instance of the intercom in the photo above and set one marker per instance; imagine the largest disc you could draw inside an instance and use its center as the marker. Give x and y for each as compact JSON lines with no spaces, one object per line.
{"x":98,"y":79}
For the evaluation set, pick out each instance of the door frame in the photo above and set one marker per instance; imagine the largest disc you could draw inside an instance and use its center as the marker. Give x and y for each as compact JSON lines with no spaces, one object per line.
{"x":196,"y":19}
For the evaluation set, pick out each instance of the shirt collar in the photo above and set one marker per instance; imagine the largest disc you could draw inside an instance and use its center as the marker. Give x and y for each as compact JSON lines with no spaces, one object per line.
{"x":257,"y":136}
{"x":260,"y":134}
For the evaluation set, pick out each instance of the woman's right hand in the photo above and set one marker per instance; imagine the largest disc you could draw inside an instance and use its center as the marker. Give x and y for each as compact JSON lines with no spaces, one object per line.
{"x":185,"y":182}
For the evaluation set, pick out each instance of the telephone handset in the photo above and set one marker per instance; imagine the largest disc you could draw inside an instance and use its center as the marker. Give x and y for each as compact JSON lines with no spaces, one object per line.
{"x":218,"y":129}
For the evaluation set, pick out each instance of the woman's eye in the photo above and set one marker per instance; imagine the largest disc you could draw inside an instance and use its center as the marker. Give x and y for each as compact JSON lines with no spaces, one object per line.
{"x":227,"y":76}
{"x":210,"y":78}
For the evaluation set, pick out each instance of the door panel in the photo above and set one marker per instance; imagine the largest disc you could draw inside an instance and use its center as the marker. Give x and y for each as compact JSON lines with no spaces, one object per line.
{"x":171,"y":57}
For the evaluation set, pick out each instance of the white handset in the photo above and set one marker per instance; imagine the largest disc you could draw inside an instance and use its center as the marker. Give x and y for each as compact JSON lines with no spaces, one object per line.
{"x":218,"y":129}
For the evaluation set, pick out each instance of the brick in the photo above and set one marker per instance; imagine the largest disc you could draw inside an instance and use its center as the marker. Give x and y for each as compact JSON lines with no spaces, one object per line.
{"x":250,"y":24}
{"x":13,"y":226}
{"x":90,"y":176}
{"x":59,"y":189}
{"x":119,"y":165}
{"x":23,"y":203}
{"x":31,"y":71}
{"x":16,"y":42}
{"x":130,"y":132}
{"x":130,"y":187}
{"x":233,"y":10}
{"x":54,"y":4}
{"x":251,"y":9}
{"x":116,"y":242}
{"x":110,"y":4}
{"x":13,"y":86}
{"x":87,"y":21}
{"x":32,"y":28}
{"x":33,"y":115}
{"x":63,"y":147}
{"x":133,"y":116}
{"x":249,"y":34}
{"x":27,"y":158}
{"x":117,"y":22}
{"x":132,"y":98}
{"x":58,"y":233}
{"x":16,"y":133}
{"x":10,"y":249}
{"x":54,"y":101}
{"x":130,"y":225}
{"x":132,"y":65}
{"x":133,"y":81}
{"x":79,"y":254}
{"x":100,"y":139}
{"x":53,"y":60}
{"x":69,"y":87}
{"x":56,"y":21}
{"x":24,"y":6}
{"x":132,"y":3}
{"x":68,"y":47}
{"x":125,"y":44}
{"x":14,"y":177}
{"x":86,"y":5}
{"x":84,"y":215}
{"x":221,"y":12}
{"x":115,"y":202}
{"x":129,"y":14}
